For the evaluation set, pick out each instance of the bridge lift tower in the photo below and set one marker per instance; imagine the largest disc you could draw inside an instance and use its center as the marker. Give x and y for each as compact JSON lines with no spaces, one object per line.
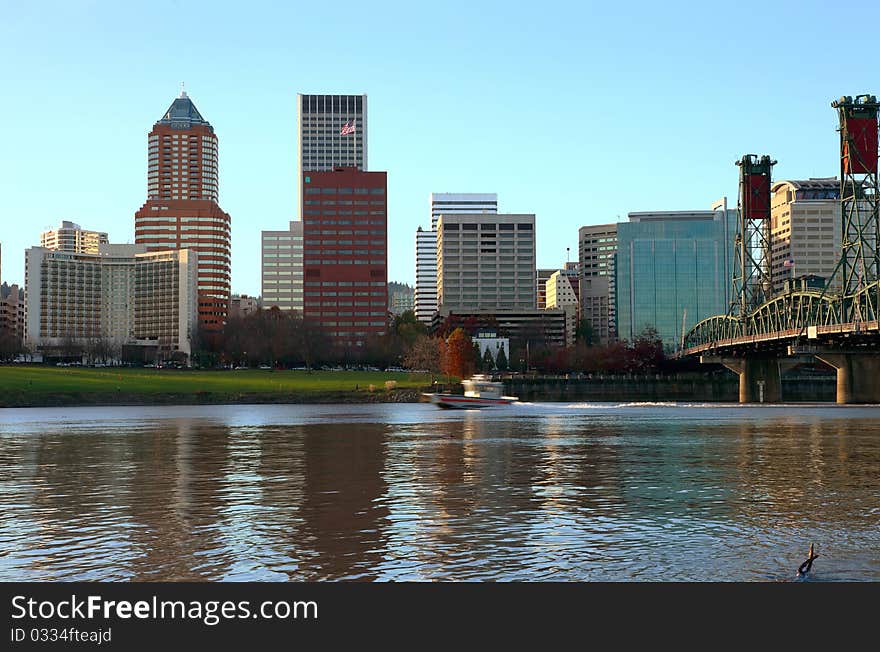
{"x":752,"y":276}
{"x":859,"y":203}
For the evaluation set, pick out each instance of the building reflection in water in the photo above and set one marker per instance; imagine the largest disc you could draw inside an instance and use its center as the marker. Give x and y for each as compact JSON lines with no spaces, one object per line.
{"x":539,"y":493}
{"x":343,"y":514}
{"x":175,"y":490}
{"x":60,"y":518}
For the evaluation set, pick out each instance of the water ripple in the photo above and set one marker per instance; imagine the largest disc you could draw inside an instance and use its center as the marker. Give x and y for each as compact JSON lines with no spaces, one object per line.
{"x":564,"y":492}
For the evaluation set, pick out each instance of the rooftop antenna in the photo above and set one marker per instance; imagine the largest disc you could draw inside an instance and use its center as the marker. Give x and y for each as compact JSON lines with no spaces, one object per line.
{"x":182,"y":92}
{"x":568,"y":254}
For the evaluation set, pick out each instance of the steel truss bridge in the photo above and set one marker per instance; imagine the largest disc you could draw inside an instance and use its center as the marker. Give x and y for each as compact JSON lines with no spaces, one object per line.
{"x":789,"y":319}
{"x":764,"y":333}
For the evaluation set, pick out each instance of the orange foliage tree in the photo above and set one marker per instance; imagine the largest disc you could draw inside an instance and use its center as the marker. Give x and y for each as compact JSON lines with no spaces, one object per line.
{"x":459,"y":359}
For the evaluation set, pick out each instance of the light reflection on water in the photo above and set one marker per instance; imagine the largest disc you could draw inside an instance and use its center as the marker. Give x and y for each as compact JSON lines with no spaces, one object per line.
{"x":408,"y":492}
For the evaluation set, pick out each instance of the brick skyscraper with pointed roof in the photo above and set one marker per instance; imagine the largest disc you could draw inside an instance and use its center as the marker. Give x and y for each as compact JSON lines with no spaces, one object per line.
{"x":182,"y":210}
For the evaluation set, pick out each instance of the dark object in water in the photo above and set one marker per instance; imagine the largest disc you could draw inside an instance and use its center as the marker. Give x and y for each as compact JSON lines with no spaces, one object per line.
{"x":804,"y":568}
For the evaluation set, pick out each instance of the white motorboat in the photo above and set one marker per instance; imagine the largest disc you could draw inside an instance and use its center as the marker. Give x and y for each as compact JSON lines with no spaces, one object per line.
{"x":479,"y":391}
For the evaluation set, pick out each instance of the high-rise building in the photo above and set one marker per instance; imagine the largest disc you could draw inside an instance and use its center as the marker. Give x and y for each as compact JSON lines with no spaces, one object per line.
{"x":457,"y":203}
{"x":673,"y":269}
{"x":486,"y":262}
{"x":597,"y":247}
{"x":182,"y":209}
{"x":321,"y":122}
{"x":400,"y":298}
{"x":425,"y":298}
{"x":345,"y":259}
{"x":72,"y":237}
{"x":805,"y":229}
{"x":282,"y":268}
{"x":12,"y":311}
{"x":123,"y":295}
{"x":442,"y":203}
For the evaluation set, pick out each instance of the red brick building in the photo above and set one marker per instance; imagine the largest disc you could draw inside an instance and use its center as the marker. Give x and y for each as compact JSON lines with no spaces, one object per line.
{"x":345,"y":255}
{"x":182,"y":209}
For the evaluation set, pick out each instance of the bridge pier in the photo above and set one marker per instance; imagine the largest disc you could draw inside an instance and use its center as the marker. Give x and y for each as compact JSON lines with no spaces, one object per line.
{"x":858,"y":375}
{"x":760,"y":378}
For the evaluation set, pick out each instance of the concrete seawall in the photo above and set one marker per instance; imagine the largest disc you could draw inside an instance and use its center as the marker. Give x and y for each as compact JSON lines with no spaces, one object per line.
{"x":659,"y":388}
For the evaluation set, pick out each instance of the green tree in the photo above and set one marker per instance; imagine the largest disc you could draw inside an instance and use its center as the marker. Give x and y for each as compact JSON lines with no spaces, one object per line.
{"x":488,"y":360}
{"x":478,"y":359}
{"x":406,"y":327}
{"x":501,"y":360}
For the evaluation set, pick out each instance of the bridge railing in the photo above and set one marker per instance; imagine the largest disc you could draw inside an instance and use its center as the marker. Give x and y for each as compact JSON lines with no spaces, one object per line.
{"x":785,"y":315}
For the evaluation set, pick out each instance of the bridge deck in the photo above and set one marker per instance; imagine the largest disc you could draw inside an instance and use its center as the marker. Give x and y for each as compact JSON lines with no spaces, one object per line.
{"x":848,"y":328}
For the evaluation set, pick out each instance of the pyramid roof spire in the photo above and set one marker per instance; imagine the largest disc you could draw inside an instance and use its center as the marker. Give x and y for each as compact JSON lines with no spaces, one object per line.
{"x":183,"y":114}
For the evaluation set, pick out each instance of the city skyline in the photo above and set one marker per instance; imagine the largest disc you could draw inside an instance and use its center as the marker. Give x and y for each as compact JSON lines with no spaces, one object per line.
{"x":573,"y":127}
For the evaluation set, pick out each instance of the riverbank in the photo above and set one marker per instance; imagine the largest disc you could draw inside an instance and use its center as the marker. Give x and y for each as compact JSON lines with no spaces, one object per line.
{"x":43,"y":386}
{"x":684,"y":387}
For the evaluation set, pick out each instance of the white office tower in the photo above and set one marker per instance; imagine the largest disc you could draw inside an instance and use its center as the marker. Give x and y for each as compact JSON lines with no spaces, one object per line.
{"x":442,"y":203}
{"x":451,"y":203}
{"x":426,"y":275}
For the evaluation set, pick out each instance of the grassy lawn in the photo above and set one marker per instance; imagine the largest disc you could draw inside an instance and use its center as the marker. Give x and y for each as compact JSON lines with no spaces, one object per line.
{"x":38,"y":380}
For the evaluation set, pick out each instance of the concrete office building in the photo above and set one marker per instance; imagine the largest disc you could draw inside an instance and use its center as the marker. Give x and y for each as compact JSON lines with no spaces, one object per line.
{"x":486,"y":262}
{"x":182,"y":209}
{"x":562,"y":293}
{"x":243,"y":305}
{"x":523,"y":328}
{"x":597,"y":247}
{"x":541,"y":278}
{"x":345,"y":258}
{"x":673,"y":269}
{"x":282,"y":268}
{"x":426,"y":243}
{"x":123,"y":295}
{"x":805,"y":229}
{"x":72,"y":237}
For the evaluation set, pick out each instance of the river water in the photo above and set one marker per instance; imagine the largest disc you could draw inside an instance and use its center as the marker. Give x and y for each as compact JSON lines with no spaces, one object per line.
{"x":534,"y":492}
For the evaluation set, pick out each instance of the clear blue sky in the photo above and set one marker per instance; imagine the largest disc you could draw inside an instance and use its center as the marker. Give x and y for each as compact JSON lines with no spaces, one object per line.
{"x":577,"y":112}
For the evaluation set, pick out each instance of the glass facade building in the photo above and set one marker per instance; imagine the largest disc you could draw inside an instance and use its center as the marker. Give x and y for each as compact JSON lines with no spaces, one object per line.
{"x":673,"y":270}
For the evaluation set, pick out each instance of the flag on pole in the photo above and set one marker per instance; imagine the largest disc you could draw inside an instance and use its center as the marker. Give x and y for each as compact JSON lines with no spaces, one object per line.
{"x":347,"y":128}
{"x":788,"y":264}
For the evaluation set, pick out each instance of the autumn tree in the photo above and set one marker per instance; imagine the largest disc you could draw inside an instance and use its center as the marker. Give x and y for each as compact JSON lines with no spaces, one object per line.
{"x":646,"y":351}
{"x":459,"y":355}
{"x":424,"y":355}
